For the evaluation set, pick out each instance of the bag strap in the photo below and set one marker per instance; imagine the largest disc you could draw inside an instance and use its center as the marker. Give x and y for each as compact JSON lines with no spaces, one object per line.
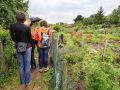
{"x":14,"y":33}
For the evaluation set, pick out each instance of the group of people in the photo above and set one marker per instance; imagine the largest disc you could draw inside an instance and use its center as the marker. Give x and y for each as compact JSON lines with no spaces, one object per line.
{"x":25,"y":41}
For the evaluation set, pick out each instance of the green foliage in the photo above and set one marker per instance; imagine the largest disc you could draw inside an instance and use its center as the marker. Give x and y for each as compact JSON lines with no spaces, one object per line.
{"x":78,"y":25}
{"x":97,"y":68}
{"x":10,"y":63}
{"x":99,"y":18}
{"x":69,"y":41}
{"x":47,"y":80}
{"x":58,"y":27}
{"x":8,"y":10}
{"x":74,"y":46}
{"x":96,"y":19}
{"x":99,"y":75}
{"x":79,"y":18}
{"x":114,"y":17}
{"x":76,"y":72}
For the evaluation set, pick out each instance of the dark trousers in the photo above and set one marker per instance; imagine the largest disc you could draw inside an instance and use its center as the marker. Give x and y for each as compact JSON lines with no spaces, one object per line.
{"x":43,"y":57}
{"x":33,"y":63}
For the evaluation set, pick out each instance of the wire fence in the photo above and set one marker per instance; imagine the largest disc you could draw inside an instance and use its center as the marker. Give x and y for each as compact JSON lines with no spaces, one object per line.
{"x":61,"y":77}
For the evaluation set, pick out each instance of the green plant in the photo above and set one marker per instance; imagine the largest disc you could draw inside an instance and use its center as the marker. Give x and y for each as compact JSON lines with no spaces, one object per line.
{"x":58,"y":27}
{"x":10,"y":63}
{"x":98,"y":67}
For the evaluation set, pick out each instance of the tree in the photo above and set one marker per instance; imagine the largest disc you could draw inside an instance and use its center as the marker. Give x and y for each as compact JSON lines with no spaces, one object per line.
{"x":8,"y":9}
{"x":100,"y":16}
{"x":97,"y":18}
{"x":92,"y":19}
{"x":86,"y":21}
{"x":115,"y":16}
{"x":79,"y":18}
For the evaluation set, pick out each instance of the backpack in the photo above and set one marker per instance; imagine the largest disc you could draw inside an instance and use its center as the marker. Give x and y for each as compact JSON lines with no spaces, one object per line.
{"x":45,"y":42}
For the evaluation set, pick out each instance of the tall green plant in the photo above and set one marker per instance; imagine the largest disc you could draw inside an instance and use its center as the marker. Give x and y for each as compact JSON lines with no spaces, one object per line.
{"x":8,"y":10}
{"x":10,"y":63}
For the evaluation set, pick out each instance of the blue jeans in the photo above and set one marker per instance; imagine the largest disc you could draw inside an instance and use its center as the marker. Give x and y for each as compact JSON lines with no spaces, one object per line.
{"x":43,"y":57}
{"x":24,"y":66}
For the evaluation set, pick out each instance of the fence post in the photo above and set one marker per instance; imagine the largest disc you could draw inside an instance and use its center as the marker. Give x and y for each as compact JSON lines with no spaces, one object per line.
{"x":1,"y":49}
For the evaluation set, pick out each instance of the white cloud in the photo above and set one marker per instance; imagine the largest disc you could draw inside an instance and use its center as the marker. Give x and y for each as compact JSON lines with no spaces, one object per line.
{"x":66,"y":10}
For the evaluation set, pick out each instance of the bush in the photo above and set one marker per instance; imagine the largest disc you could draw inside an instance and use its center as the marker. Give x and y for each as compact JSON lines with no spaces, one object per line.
{"x":58,"y":27}
{"x":10,"y":63}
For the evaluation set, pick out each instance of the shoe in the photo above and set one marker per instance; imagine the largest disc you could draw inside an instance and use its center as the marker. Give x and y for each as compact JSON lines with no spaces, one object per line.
{"x":21,"y":87}
{"x":46,"y":69}
{"x":29,"y":86}
{"x":41,"y":70}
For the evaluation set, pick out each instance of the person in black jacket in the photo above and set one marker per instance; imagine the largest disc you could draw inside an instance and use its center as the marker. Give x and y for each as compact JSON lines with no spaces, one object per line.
{"x":20,"y":33}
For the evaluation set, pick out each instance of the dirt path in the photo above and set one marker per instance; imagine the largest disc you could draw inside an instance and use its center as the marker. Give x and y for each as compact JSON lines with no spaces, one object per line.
{"x":36,"y":76}
{"x":41,"y":81}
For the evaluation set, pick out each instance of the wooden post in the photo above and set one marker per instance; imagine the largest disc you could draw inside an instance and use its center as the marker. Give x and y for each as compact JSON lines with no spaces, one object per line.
{"x":1,"y":49}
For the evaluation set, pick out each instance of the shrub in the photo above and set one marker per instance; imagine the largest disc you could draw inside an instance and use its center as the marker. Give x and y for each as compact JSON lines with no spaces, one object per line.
{"x":58,"y":27}
{"x":8,"y":59}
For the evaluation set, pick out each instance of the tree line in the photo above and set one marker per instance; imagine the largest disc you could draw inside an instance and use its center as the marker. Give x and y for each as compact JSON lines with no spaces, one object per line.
{"x":100,"y":18}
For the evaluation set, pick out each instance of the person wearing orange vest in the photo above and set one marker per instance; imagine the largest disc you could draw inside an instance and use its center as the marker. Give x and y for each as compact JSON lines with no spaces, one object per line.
{"x":43,"y":36}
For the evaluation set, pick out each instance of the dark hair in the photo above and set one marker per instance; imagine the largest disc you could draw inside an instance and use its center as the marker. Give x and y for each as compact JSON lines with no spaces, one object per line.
{"x":20,"y":16}
{"x":44,"y":23}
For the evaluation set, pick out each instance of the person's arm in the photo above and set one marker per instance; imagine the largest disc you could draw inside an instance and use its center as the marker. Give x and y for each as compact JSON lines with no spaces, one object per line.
{"x":12,"y":33}
{"x":29,"y":36}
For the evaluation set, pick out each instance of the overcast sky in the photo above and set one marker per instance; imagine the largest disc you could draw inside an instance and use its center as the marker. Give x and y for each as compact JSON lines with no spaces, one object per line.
{"x":66,"y":10}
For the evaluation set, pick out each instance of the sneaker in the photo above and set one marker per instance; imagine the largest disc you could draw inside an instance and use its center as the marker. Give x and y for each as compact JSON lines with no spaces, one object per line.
{"x":41,"y":70}
{"x":46,"y":69}
{"x":21,"y":87}
{"x":29,"y":86}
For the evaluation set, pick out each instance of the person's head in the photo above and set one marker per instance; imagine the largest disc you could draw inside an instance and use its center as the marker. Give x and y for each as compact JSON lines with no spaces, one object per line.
{"x":20,"y":17}
{"x":44,"y":23}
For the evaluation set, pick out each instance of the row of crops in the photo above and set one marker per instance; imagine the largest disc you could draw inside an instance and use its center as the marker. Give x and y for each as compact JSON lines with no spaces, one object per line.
{"x":93,"y":58}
